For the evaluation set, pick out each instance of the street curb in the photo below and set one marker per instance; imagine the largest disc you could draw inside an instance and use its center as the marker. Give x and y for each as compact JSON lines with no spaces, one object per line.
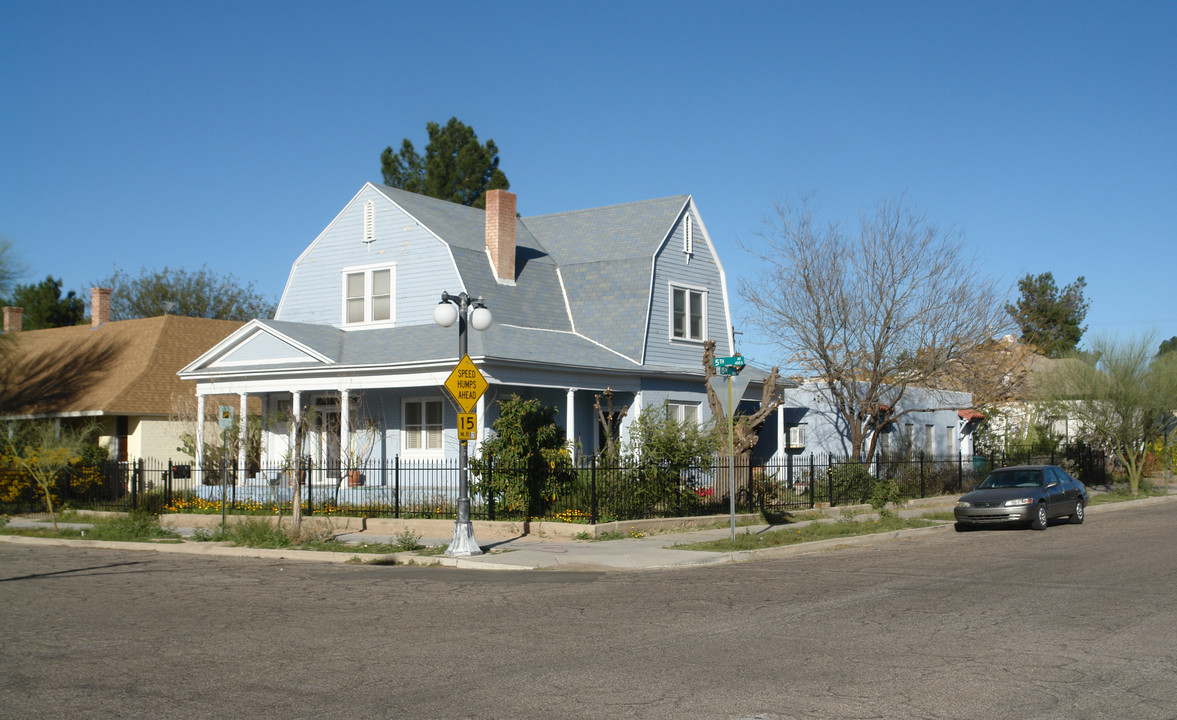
{"x":483,"y":562}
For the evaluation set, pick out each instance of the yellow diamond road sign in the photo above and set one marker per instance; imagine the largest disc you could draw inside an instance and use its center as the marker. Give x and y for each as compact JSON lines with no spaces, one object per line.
{"x":466,"y":384}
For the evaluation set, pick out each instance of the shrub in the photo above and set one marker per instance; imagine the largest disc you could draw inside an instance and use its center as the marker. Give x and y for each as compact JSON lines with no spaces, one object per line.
{"x":138,"y":525}
{"x":848,"y":482}
{"x":526,"y":465}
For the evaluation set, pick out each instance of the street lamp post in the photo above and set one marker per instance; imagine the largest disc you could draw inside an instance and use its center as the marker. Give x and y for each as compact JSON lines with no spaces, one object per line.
{"x":458,"y":308}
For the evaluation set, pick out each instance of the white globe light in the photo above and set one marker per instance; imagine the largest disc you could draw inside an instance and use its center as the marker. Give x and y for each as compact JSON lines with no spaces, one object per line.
{"x":445,"y":314}
{"x":480,"y":319}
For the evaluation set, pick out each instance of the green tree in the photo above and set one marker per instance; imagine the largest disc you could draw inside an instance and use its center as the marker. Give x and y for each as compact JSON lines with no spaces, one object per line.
{"x":1122,"y":396}
{"x":1167,"y":346}
{"x":1051,"y":319}
{"x":10,"y":267}
{"x":10,"y":270}
{"x":662,"y":451}
{"x":456,"y":166}
{"x":44,"y":307}
{"x":526,"y":464}
{"x":44,"y":450}
{"x":200,"y":294}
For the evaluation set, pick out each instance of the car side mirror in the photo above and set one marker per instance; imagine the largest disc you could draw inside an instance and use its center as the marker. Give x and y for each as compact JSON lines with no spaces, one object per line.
{"x":1052,"y":484}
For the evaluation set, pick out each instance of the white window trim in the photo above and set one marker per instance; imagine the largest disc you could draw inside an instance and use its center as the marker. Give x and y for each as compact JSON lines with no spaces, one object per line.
{"x":423,"y":452}
{"x":677,"y":410}
{"x":367,"y":270}
{"x":670,"y":312}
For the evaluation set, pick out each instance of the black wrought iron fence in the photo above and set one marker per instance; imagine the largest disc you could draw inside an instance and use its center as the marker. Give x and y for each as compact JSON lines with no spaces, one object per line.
{"x":593,"y":492}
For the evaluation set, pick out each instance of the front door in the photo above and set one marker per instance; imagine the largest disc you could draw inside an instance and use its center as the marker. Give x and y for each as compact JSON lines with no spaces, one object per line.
{"x":327,"y":430}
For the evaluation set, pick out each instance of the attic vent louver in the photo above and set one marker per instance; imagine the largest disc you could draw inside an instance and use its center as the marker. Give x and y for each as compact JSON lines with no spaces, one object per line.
{"x":369,"y":221}
{"x":688,"y":242}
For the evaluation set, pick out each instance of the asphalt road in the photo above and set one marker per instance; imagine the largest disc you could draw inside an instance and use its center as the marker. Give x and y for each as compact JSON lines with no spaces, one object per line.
{"x":1074,"y":622}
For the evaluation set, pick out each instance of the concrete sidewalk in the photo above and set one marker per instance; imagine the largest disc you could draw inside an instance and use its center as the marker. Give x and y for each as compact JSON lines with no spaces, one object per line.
{"x":526,"y":552}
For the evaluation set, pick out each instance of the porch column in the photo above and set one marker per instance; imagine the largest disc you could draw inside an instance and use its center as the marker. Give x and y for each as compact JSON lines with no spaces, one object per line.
{"x":200,"y":436}
{"x":345,"y":446}
{"x":570,"y":425}
{"x":243,"y":438}
{"x":480,"y":431}
{"x":295,"y":411}
{"x":780,"y":430}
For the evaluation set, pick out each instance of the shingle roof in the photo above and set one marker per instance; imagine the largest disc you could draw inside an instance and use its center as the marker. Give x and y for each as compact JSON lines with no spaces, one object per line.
{"x":123,"y":368}
{"x":433,"y":344}
{"x":606,"y":256}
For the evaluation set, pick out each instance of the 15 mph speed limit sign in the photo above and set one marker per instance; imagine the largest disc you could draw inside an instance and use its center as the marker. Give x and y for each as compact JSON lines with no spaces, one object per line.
{"x":467,"y":426}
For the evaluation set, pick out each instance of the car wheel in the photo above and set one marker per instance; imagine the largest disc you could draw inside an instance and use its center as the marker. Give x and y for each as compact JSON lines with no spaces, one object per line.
{"x":1078,"y":515}
{"x":962,"y":527}
{"x":1039,"y":521}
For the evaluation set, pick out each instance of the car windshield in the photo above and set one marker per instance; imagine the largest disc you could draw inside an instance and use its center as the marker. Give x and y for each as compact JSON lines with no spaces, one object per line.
{"x":1017,"y":478}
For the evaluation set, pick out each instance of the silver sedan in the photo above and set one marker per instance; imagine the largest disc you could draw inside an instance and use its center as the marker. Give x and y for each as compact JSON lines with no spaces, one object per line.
{"x":1027,"y":494}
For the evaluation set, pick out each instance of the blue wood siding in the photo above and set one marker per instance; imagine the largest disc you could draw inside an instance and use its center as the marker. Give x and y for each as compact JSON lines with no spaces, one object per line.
{"x":423,"y":267}
{"x":696,"y":271}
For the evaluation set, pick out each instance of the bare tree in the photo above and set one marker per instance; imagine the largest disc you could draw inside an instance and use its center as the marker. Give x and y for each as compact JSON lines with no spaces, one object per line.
{"x":896,"y":305}
{"x":745,"y":428}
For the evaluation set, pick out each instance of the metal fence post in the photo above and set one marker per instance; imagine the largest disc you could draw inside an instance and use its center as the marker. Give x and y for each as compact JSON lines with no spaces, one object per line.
{"x":310,"y":488}
{"x":812,"y":482}
{"x":830,"y":478}
{"x":923,"y":488}
{"x":490,"y":496}
{"x":396,"y":486}
{"x":593,"y":516}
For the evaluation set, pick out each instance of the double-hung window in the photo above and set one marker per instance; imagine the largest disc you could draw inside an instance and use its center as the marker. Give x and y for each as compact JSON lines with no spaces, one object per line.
{"x":422,"y":426}
{"x":367,"y":295}
{"x":688,"y":313}
{"x":683,"y":413}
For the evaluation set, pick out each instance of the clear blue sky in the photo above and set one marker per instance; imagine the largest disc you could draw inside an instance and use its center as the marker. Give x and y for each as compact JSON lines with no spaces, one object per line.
{"x":148,"y":134}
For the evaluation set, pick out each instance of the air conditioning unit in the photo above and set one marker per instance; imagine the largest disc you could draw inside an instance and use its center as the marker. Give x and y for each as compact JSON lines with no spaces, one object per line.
{"x":795,"y":437}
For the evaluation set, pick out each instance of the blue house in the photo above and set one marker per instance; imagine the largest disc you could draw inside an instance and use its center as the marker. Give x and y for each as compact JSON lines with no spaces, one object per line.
{"x":620,"y":297}
{"x":937,"y":423}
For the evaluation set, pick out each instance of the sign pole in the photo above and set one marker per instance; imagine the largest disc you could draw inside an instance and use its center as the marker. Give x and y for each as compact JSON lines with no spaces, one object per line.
{"x":729,"y":367}
{"x":224,"y":473}
{"x":731,"y":455}
{"x":226,"y":422}
{"x":466,"y":385}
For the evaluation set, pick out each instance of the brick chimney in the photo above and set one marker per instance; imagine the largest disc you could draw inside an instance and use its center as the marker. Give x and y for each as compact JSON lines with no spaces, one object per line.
{"x":12,"y":319}
{"x":99,"y":306}
{"x":500,"y":233}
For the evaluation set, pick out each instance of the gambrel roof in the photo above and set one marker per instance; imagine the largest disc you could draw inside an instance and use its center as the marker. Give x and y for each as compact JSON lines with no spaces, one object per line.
{"x":581,"y":294}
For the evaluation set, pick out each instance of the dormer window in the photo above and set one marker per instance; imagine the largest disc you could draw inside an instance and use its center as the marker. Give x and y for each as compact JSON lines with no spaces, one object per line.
{"x":688,"y":237}
{"x":367,"y":295}
{"x":369,"y":222}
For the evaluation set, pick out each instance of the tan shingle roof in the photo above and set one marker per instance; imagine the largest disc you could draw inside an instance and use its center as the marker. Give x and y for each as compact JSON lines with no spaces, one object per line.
{"x":121,"y":368}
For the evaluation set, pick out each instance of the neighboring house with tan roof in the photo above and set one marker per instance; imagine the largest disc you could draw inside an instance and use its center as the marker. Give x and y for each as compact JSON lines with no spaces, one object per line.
{"x":1028,"y":408}
{"x":122,"y":375}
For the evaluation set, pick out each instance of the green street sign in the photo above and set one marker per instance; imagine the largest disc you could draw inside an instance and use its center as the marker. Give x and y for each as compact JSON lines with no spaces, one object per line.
{"x":729,"y":365}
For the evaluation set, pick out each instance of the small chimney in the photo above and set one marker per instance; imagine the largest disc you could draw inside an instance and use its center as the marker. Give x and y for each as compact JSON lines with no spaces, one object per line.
{"x":12,"y":319}
{"x":99,"y":307}
{"x":500,"y":233}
